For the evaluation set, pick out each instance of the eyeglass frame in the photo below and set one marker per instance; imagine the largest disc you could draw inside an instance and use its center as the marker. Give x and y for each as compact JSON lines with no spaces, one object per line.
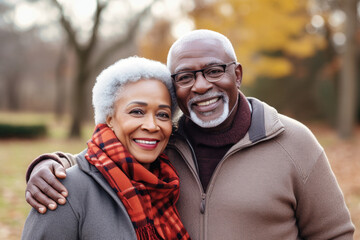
{"x":224,"y":66}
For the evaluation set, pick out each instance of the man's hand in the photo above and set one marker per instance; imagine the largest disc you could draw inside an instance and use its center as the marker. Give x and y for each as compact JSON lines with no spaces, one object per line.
{"x":43,"y":189}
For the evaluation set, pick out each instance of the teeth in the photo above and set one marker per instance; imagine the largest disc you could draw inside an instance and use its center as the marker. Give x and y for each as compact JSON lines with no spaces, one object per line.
{"x":205,"y":103}
{"x":146,"y":142}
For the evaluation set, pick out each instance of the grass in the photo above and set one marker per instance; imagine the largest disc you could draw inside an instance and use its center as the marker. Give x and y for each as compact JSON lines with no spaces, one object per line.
{"x":16,"y":154}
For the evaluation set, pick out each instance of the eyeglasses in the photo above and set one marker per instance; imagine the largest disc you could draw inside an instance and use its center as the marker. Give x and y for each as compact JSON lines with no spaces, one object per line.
{"x":212,"y":74}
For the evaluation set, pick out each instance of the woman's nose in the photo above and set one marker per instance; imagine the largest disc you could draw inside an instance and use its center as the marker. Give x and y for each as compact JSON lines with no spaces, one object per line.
{"x":150,"y":124}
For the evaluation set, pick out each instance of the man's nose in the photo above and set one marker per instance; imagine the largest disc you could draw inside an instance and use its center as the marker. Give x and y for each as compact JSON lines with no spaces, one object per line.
{"x":201,"y":85}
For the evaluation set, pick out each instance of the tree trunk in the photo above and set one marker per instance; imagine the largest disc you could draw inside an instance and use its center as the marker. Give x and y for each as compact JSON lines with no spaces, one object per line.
{"x":347,"y":86}
{"x":60,"y":85}
{"x":13,"y":80}
{"x":85,"y":51}
{"x":78,"y":99}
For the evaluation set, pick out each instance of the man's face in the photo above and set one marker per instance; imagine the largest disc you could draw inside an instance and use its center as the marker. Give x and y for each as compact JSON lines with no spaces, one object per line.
{"x":207,"y":103}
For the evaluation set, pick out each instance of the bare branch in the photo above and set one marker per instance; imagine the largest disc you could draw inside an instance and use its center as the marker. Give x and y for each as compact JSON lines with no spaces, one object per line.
{"x":131,"y":32}
{"x":68,"y":27}
{"x":95,"y":30}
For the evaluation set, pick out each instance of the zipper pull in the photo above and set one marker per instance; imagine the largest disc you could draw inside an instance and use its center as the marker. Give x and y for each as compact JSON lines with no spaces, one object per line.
{"x":202,"y":204}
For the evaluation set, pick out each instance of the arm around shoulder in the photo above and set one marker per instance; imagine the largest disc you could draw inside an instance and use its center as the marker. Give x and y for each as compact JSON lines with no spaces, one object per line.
{"x":65,"y":159}
{"x":43,"y":189}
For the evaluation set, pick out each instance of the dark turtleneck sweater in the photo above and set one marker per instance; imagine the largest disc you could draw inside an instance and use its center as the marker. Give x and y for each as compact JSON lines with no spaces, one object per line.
{"x":210,"y":147}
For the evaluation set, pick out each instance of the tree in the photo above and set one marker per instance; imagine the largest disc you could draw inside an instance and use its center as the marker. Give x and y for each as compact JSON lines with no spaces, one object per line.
{"x":60,"y":83}
{"x":11,"y":59}
{"x":158,"y":41}
{"x":265,"y":33}
{"x":348,"y":98}
{"x":349,"y":54}
{"x":86,"y":61}
{"x":271,"y":41}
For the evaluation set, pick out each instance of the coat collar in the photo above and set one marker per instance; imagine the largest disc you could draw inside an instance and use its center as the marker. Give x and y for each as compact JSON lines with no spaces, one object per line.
{"x":96,"y":175}
{"x":265,"y":123}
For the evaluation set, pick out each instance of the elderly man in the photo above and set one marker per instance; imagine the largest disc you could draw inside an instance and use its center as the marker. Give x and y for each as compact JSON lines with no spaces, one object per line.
{"x":246,"y":171}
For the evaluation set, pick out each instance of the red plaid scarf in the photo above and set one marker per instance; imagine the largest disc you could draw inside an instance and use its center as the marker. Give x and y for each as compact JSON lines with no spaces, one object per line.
{"x":149,"y":196}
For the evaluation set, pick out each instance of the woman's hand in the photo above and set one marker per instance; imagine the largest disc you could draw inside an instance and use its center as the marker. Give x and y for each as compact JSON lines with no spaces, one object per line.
{"x":43,"y":189}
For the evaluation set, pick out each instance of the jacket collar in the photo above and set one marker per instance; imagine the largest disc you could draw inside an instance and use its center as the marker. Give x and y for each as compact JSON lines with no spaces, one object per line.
{"x":265,"y":124}
{"x":265,"y":121}
{"x":92,"y":171}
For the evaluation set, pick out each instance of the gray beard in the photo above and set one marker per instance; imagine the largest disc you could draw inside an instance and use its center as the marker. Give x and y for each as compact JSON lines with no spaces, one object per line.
{"x":212,"y":123}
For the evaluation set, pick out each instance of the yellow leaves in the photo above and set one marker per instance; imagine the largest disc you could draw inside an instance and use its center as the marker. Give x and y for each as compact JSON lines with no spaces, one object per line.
{"x":274,"y":67}
{"x":305,"y":47}
{"x":256,"y":27}
{"x":156,"y":43}
{"x":266,"y":34}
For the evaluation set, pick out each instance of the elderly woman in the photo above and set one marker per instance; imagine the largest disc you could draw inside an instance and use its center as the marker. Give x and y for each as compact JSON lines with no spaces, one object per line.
{"x":123,"y":187}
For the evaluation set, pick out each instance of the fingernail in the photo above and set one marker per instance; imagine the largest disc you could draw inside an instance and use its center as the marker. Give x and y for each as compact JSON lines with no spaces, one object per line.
{"x":61,"y":200}
{"x":42,"y":209}
{"x":64,"y":194}
{"x":52,"y":206}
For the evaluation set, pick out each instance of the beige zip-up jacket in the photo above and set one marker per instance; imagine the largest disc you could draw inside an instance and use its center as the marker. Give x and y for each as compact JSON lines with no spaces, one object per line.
{"x":275,"y":183}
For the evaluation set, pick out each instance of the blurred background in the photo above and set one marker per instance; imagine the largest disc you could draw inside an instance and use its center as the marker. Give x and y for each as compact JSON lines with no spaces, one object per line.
{"x":300,"y":56}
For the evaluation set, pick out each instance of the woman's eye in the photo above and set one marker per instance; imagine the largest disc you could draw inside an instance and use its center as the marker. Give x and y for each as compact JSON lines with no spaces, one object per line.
{"x":136,"y":112}
{"x":164,"y":115}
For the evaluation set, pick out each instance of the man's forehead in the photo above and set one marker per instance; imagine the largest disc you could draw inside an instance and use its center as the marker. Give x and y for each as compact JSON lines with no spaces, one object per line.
{"x":194,"y":43}
{"x":197,"y":53}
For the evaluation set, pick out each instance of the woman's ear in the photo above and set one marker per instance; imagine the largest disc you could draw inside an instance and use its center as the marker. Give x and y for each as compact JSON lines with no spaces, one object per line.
{"x":109,"y":121}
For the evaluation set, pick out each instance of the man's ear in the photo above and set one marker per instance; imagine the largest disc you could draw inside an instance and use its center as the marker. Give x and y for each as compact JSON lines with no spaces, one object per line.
{"x":238,"y":73}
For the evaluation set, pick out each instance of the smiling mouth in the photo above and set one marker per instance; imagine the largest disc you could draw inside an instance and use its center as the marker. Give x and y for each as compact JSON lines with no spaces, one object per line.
{"x":207,"y":102}
{"x":147,"y":142}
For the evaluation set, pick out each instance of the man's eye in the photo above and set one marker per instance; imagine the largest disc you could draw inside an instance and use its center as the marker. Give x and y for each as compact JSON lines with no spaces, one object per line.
{"x":185,"y":77}
{"x":214,"y":71}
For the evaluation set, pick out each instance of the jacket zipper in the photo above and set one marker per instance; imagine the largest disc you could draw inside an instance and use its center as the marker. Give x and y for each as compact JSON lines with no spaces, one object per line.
{"x":202,"y":206}
{"x":203,"y":194}
{"x":194,"y":172}
{"x":203,"y":203}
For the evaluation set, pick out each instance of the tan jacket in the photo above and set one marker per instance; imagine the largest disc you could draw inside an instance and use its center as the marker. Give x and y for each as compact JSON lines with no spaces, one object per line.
{"x":275,"y":183}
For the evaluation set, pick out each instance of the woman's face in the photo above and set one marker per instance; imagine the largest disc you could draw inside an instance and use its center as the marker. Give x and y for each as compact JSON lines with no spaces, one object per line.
{"x":142,"y":119}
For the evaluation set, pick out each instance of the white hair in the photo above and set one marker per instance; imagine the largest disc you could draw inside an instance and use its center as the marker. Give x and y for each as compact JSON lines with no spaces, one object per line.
{"x":202,"y":34}
{"x":113,"y":78}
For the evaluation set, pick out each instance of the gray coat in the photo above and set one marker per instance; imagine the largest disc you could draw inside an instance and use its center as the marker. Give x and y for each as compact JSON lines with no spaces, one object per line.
{"x":92,"y":211}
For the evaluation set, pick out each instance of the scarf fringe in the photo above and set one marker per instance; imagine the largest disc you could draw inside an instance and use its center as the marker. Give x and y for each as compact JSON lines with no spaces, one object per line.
{"x":148,"y":232}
